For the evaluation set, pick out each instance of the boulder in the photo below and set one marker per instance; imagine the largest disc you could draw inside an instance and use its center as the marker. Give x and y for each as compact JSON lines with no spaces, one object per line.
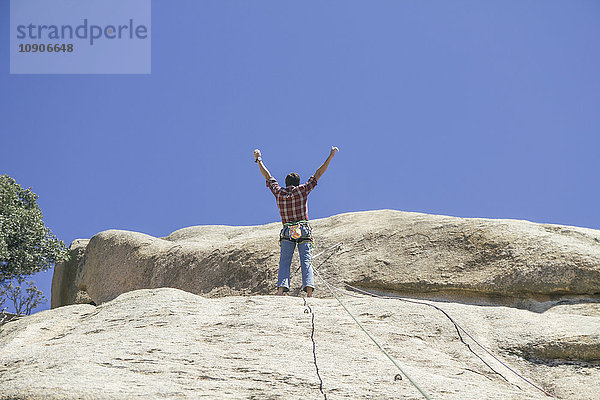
{"x":64,"y":291}
{"x":501,"y":261}
{"x":167,"y":343}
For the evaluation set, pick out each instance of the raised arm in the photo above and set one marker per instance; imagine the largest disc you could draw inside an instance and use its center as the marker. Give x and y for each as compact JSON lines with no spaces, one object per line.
{"x":325,"y":165}
{"x":263,"y":170}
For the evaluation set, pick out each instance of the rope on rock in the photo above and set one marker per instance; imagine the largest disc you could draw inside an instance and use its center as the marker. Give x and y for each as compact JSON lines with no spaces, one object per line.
{"x":456,"y":325}
{"x":411,"y":380}
{"x":312,"y":337}
{"x":327,"y":249}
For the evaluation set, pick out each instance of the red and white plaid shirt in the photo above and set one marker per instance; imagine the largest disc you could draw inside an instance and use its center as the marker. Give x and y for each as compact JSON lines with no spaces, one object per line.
{"x":292,"y":201}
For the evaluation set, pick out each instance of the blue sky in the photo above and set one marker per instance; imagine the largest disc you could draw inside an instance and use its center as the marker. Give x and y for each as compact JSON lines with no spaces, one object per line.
{"x":464,"y":108}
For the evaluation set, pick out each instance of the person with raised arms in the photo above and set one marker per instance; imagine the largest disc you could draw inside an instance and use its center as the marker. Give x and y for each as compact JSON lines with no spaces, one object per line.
{"x":293,"y":209}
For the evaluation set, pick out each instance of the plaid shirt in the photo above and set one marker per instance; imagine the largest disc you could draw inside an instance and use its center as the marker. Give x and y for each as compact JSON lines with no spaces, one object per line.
{"x":292,"y":200}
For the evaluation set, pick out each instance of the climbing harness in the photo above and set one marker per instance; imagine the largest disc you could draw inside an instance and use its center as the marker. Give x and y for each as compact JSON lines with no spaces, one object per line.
{"x":307,"y":310}
{"x":295,"y":234}
{"x":456,"y":325}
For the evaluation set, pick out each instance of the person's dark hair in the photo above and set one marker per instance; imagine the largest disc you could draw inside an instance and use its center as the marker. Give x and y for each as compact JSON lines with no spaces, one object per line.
{"x":293,"y":179}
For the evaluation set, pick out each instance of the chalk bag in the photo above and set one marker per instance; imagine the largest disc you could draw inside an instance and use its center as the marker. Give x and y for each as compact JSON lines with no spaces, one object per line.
{"x":295,"y":232}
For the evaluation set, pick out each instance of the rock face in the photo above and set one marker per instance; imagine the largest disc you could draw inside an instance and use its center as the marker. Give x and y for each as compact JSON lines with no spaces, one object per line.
{"x":167,"y":343}
{"x":125,"y":329}
{"x":506,"y":261}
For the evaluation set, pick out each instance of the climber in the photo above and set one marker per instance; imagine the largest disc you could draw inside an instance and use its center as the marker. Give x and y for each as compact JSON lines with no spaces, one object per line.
{"x":296,"y":230}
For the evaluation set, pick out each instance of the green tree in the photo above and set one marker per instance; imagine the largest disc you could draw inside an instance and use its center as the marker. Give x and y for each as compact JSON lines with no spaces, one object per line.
{"x":27,"y":246}
{"x":23,"y":301}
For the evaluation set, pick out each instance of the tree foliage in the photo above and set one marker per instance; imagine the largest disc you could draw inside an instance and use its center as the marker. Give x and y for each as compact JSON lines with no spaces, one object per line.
{"x":27,"y":246}
{"x":24,"y":301}
{"x":2,"y":298}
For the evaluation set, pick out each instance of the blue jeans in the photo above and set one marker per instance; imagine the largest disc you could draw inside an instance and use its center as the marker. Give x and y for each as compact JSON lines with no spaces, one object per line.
{"x":285,"y":261}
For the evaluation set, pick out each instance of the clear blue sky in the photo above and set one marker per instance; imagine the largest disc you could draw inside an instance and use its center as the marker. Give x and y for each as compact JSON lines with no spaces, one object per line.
{"x":465,"y":108}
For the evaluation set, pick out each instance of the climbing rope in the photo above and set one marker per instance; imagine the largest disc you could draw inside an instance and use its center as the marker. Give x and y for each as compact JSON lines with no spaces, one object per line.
{"x":312,"y":334}
{"x":312,"y":337}
{"x":373,"y":339}
{"x":456,"y":325}
{"x":359,"y":324}
{"x":327,"y":249}
{"x":458,"y":329}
